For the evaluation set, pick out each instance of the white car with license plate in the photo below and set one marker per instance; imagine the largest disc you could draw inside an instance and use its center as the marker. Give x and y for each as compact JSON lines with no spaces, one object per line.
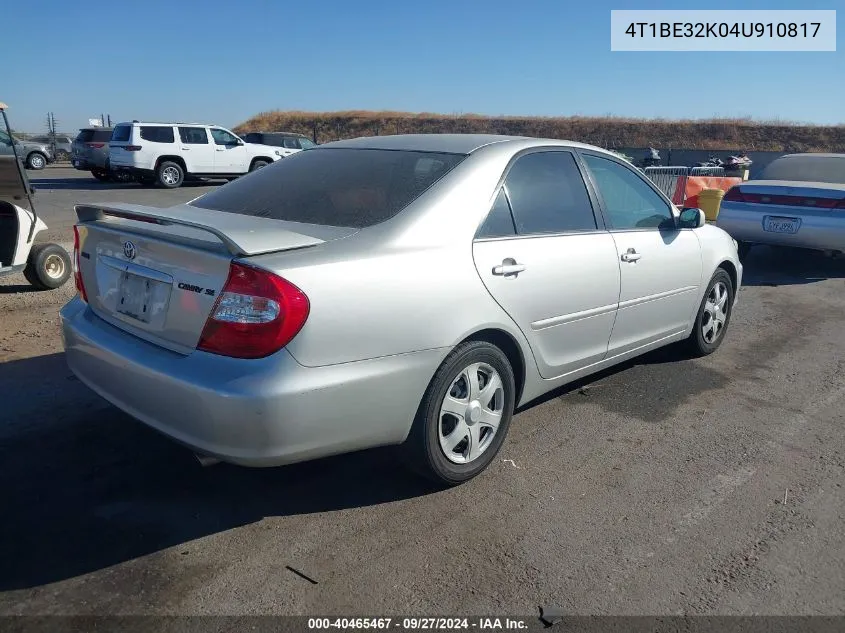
{"x":170,"y":153}
{"x":798,"y":201}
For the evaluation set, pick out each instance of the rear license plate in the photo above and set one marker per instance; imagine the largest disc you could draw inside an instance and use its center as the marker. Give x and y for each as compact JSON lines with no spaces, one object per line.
{"x":774,"y":224}
{"x":134,"y":296}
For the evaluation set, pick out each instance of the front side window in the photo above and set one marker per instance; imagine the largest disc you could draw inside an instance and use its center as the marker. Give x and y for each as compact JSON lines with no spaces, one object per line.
{"x":548,"y":194}
{"x":4,"y":138}
{"x":290,"y":142}
{"x":193,"y":135}
{"x":306,"y":143}
{"x":628,"y":201}
{"x":222,"y":137}
{"x":353,"y":188}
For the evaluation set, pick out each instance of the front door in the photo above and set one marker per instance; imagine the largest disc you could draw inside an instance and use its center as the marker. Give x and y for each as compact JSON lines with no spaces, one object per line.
{"x":660,"y":265}
{"x":547,"y":261}
{"x":197,"y":149}
{"x":230,"y":155}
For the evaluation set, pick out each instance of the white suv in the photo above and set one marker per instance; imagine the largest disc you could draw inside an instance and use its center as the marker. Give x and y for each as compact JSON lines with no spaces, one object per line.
{"x":168,"y":153}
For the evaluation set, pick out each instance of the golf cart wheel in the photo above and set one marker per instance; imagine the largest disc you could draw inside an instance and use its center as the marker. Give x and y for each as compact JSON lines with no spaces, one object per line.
{"x":101,"y":175}
{"x":170,"y":175}
{"x":36,"y":161}
{"x":48,"y":266}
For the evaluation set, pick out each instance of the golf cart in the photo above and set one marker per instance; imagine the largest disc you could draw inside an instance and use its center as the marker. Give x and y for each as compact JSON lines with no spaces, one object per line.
{"x":45,"y":266}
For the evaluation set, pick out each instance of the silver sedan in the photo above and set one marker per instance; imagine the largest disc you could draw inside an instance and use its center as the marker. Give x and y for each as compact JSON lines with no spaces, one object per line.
{"x":408,"y":290}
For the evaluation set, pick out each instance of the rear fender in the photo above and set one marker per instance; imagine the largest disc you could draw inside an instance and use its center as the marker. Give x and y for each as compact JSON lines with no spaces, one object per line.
{"x":25,"y":222}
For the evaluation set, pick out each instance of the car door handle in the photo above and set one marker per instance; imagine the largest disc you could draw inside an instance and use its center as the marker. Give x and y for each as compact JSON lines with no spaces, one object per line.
{"x":220,"y":149}
{"x":508,"y":268}
{"x":185,"y":149}
{"x":631,"y":255}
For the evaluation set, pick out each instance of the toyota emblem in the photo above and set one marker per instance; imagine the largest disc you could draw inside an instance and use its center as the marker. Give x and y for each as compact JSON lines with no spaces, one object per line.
{"x":129,"y":250}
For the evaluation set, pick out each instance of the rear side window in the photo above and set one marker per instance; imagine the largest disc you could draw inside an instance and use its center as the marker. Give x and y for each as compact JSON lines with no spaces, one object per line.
{"x":193,"y":135}
{"x":353,"y":188}
{"x":157,"y":133}
{"x":548,"y":194}
{"x":499,"y":222}
{"x":121,"y":133}
{"x":255,"y":137}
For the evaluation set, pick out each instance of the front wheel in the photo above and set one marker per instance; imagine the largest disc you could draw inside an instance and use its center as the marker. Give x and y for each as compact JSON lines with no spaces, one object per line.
{"x":170,"y":175}
{"x":464,"y":415}
{"x":48,"y":266}
{"x":36,"y":161}
{"x":714,"y":315}
{"x":258,"y":165}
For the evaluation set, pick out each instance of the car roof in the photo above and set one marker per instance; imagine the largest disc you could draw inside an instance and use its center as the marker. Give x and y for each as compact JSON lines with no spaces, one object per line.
{"x":279,"y":133}
{"x":815,"y":155}
{"x":449,"y":143}
{"x":169,"y":123}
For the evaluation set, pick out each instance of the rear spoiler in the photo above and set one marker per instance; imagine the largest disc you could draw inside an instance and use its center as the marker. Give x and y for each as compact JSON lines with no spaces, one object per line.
{"x":242,"y":235}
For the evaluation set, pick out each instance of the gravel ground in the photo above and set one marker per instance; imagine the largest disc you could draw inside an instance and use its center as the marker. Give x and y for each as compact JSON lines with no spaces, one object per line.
{"x":664,"y":486}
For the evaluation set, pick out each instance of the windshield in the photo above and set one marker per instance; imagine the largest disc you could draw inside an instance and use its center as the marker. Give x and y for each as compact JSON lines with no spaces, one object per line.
{"x":353,"y":188}
{"x":807,"y":168}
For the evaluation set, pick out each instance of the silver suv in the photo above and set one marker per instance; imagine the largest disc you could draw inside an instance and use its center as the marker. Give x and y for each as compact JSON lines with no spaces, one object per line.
{"x":90,"y":151}
{"x":34,"y":155}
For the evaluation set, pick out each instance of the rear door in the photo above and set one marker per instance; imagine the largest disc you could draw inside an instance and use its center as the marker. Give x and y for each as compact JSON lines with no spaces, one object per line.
{"x":546,"y":258}
{"x":197,"y":147}
{"x":230,"y":157}
{"x":660,"y":264}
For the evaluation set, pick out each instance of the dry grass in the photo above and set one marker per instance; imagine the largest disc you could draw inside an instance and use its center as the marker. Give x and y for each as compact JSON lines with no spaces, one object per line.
{"x":610,"y":131}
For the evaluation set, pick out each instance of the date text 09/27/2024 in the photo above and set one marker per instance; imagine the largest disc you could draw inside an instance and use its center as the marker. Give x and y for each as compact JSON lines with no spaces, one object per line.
{"x":418,"y":624}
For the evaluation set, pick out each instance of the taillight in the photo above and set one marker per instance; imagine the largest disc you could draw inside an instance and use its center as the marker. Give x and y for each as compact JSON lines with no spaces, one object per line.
{"x":734,"y":194}
{"x":256,"y":314}
{"x":77,"y":272}
{"x":94,"y":145}
{"x":132,"y":148}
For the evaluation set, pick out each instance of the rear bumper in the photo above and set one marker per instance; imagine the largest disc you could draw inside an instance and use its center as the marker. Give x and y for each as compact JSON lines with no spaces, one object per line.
{"x":263,"y":412}
{"x":744,"y":222}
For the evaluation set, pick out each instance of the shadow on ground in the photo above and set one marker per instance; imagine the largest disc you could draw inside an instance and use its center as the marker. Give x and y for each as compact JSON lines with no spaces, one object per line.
{"x":84,"y":184}
{"x":773,"y":266}
{"x":85,"y":487}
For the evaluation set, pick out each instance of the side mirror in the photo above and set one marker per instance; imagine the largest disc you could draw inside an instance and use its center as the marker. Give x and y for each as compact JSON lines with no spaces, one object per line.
{"x":238,"y":142}
{"x":691,"y":218}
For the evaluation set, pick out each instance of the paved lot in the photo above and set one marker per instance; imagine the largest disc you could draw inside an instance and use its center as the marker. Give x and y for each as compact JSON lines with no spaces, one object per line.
{"x":665,"y":486}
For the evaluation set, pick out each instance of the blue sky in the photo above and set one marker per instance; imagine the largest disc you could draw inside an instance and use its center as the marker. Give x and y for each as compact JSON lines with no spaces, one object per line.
{"x":220,"y":62}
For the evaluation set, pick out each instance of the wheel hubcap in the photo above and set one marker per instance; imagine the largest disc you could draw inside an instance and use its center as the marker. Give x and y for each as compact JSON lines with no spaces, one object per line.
{"x":37,"y":161}
{"x":471,"y":413}
{"x":715,"y":313}
{"x":170,"y":175}
{"x":54,"y":267}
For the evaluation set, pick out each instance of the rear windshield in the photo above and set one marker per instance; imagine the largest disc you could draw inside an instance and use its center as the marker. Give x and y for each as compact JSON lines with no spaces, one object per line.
{"x":96,"y":136}
{"x":353,"y":188}
{"x":157,"y":133}
{"x":121,"y":133}
{"x":807,"y":169}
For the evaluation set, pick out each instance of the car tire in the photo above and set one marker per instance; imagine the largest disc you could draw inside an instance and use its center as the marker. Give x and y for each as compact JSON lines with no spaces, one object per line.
{"x":258,"y":165}
{"x":446,"y":433}
{"x":48,"y":266}
{"x":62,"y":156}
{"x":36,"y":161}
{"x":101,"y":175}
{"x":714,"y":315}
{"x":743,"y":249}
{"x":170,"y":175}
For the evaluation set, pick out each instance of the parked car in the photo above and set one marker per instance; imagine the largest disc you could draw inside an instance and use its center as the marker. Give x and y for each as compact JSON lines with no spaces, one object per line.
{"x":797,"y":201}
{"x":170,"y":153}
{"x":408,"y":289}
{"x":62,"y":147}
{"x":34,"y":155}
{"x":289,"y":142}
{"x":91,"y":151}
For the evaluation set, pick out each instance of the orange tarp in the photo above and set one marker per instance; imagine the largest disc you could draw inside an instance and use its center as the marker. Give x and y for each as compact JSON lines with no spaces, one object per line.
{"x":696,"y":184}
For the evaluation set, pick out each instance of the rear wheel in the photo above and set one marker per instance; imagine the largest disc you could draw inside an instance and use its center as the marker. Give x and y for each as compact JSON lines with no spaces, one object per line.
{"x":48,"y":266}
{"x":170,"y":175}
{"x":258,"y":165}
{"x":62,"y":155}
{"x":464,"y":415}
{"x":714,"y":315}
{"x":36,"y":161}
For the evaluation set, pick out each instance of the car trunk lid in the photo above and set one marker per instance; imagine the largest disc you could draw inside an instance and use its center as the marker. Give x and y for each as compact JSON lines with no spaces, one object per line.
{"x":798,"y":196}
{"x":156,"y":273}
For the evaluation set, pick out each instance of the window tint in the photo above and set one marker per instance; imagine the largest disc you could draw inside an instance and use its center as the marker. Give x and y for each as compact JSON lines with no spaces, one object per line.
{"x":333,"y":187}
{"x":222,"y":137}
{"x":256,"y":137}
{"x":157,"y":134}
{"x":86,"y":135}
{"x":629,"y":202}
{"x":193,"y":135}
{"x":100,"y":136}
{"x":121,"y":133}
{"x":548,"y":194}
{"x":499,"y":222}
